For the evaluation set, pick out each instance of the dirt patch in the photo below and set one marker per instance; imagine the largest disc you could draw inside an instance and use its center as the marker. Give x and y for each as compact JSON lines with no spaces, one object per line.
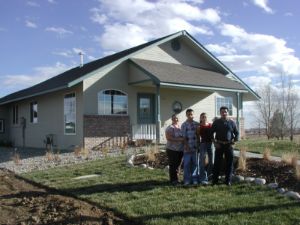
{"x":24,"y":203}
{"x":272,"y":171}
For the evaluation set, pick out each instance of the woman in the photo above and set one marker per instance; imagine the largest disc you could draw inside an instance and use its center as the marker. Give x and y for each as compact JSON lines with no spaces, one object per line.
{"x":204,"y":131}
{"x":174,"y":149}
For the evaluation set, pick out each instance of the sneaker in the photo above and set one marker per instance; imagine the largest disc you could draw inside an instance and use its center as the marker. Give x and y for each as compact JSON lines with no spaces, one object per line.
{"x":195,"y":182}
{"x":204,"y":182}
{"x":186,"y":183}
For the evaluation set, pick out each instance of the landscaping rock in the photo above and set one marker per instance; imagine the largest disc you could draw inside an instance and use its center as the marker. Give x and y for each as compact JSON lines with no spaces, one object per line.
{"x":260,"y":181}
{"x":249,"y":179}
{"x":281,"y":190}
{"x":293,"y":194}
{"x":143,"y":165}
{"x":273,"y":185}
{"x":238,"y":178}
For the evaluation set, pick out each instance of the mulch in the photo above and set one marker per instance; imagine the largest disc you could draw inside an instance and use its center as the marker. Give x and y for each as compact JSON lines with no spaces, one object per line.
{"x":272,"y":171}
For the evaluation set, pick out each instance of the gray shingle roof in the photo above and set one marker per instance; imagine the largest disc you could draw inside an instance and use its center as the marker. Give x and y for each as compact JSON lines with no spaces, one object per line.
{"x":62,"y":80}
{"x":186,"y":75}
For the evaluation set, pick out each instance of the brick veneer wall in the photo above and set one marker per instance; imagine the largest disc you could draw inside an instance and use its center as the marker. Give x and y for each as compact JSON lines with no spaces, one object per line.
{"x":105,"y":131}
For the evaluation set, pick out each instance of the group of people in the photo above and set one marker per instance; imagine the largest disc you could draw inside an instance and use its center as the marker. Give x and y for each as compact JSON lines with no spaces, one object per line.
{"x":191,"y":142}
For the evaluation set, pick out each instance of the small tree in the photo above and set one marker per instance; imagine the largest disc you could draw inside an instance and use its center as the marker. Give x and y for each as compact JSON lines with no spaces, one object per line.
{"x":266,"y":107}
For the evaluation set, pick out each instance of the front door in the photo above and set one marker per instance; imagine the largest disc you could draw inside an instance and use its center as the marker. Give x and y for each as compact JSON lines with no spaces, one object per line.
{"x":146,"y":109}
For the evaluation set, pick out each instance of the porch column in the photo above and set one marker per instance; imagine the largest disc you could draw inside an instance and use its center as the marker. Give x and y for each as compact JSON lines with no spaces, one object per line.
{"x":158,"y":121}
{"x":238,"y":112}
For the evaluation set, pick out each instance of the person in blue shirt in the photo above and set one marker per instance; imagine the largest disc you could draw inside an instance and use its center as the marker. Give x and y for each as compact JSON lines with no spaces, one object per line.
{"x":189,"y":134}
{"x":226,"y":134}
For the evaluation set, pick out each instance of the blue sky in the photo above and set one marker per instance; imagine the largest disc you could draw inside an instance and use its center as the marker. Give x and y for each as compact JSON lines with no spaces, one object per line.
{"x":257,"y":39}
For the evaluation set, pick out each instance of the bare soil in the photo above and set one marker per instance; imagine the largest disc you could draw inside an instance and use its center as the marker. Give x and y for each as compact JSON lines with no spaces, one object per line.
{"x":272,"y":171}
{"x":22,"y":202}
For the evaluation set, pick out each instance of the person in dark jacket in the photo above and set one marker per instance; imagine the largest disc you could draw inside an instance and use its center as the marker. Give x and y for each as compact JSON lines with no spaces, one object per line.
{"x":226,"y":134}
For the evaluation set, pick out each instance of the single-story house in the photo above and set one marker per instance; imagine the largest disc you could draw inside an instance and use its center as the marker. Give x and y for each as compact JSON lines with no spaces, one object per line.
{"x":128,"y":95}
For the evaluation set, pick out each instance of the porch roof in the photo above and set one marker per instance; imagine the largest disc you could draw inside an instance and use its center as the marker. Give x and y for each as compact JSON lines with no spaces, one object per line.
{"x":178,"y":75}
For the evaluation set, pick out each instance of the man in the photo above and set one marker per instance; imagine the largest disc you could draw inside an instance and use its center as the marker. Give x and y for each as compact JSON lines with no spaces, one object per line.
{"x":189,"y":133}
{"x":226,"y":134}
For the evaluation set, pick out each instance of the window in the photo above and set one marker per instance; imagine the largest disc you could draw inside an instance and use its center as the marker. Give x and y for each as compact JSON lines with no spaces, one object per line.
{"x":15,"y":114}
{"x":111,"y":102}
{"x":2,"y":127}
{"x":70,"y":113}
{"x":33,"y":112}
{"x":224,"y":101}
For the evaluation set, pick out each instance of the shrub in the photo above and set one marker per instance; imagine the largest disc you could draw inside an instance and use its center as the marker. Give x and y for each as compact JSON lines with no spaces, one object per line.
{"x":242,"y":163}
{"x":267,"y":154}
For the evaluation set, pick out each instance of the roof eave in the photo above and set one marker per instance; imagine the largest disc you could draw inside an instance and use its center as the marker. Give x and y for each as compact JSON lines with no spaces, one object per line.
{"x":124,"y":58}
{"x":216,"y":60}
{"x":36,"y":94}
{"x":199,"y":87}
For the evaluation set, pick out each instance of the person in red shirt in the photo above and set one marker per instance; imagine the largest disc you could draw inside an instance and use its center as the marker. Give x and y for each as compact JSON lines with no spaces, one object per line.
{"x":205,"y":135}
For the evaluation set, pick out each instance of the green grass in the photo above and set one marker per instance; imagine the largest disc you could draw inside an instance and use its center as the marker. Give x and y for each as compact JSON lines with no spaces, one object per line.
{"x":145,"y":196}
{"x":277,"y":147}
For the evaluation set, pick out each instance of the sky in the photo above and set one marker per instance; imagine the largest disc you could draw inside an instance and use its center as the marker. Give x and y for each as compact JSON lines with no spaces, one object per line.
{"x":257,"y":39}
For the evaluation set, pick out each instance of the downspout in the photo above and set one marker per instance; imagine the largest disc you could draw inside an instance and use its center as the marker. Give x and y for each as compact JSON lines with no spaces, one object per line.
{"x":238,"y":112}
{"x":158,"y":121}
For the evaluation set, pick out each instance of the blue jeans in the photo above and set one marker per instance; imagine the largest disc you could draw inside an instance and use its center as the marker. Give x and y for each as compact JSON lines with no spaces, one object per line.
{"x":205,"y":148}
{"x":189,"y":167}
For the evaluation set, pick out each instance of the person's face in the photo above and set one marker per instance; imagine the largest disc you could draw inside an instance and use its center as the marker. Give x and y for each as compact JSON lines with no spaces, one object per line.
{"x":190,"y":115}
{"x":174,"y":119}
{"x":203,"y":118}
{"x":224,"y":113}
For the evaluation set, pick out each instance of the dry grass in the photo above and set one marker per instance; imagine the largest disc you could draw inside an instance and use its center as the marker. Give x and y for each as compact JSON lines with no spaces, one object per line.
{"x":105,"y":150}
{"x":267,"y":154}
{"x":16,"y":158}
{"x":150,"y":153}
{"x":81,"y":152}
{"x":289,"y":157}
{"x":242,"y":163}
{"x":50,"y":156}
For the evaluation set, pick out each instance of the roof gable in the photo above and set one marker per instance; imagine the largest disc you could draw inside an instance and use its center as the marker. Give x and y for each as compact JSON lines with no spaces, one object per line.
{"x":78,"y":74}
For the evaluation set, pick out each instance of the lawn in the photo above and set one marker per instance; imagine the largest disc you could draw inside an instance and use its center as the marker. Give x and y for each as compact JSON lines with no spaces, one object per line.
{"x":145,"y":196}
{"x":277,"y":147}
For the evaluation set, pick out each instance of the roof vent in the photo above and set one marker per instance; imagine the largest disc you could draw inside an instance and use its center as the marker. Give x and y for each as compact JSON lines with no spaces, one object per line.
{"x":81,"y":59}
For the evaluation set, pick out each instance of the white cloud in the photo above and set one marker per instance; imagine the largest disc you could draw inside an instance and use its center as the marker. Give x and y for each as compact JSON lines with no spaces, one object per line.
{"x":220,"y":49}
{"x":265,"y":53}
{"x":59,"y":30}
{"x":66,"y":53}
{"x":264,"y":5}
{"x":139,"y":20}
{"x":52,"y":1}
{"x":11,"y":83}
{"x":2,"y":29}
{"x":289,"y":14}
{"x":30,"y":24}
{"x":32,"y":4}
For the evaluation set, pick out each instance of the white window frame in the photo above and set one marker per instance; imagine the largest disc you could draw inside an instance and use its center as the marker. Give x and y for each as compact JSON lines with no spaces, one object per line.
{"x":99,"y":103}
{"x":75,"y":109}
{"x":230,"y":108}
{"x":2,"y":126}
{"x":33,"y":118}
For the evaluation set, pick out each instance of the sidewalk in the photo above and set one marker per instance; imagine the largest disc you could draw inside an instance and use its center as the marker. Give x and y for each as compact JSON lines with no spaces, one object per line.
{"x":256,"y":155}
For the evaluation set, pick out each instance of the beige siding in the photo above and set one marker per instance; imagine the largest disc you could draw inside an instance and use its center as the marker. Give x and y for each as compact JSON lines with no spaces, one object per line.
{"x":187,"y":55}
{"x":197,"y":100}
{"x":50,"y":121}
{"x":5,"y":116}
{"x":115,"y":78}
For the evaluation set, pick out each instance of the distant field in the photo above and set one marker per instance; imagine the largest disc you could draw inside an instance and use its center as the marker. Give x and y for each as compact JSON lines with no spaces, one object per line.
{"x":258,"y":144}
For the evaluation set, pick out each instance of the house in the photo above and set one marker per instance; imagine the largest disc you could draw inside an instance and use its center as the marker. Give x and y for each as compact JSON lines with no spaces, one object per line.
{"x":130,"y":94}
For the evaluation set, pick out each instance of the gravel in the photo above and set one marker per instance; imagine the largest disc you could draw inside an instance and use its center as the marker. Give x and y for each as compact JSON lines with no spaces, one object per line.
{"x":37,"y":159}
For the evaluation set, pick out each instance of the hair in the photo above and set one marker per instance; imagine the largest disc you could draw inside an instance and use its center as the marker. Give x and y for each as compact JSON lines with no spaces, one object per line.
{"x":202,"y":114}
{"x":174,"y":115}
{"x":188,"y":111}
{"x":224,"y":107}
